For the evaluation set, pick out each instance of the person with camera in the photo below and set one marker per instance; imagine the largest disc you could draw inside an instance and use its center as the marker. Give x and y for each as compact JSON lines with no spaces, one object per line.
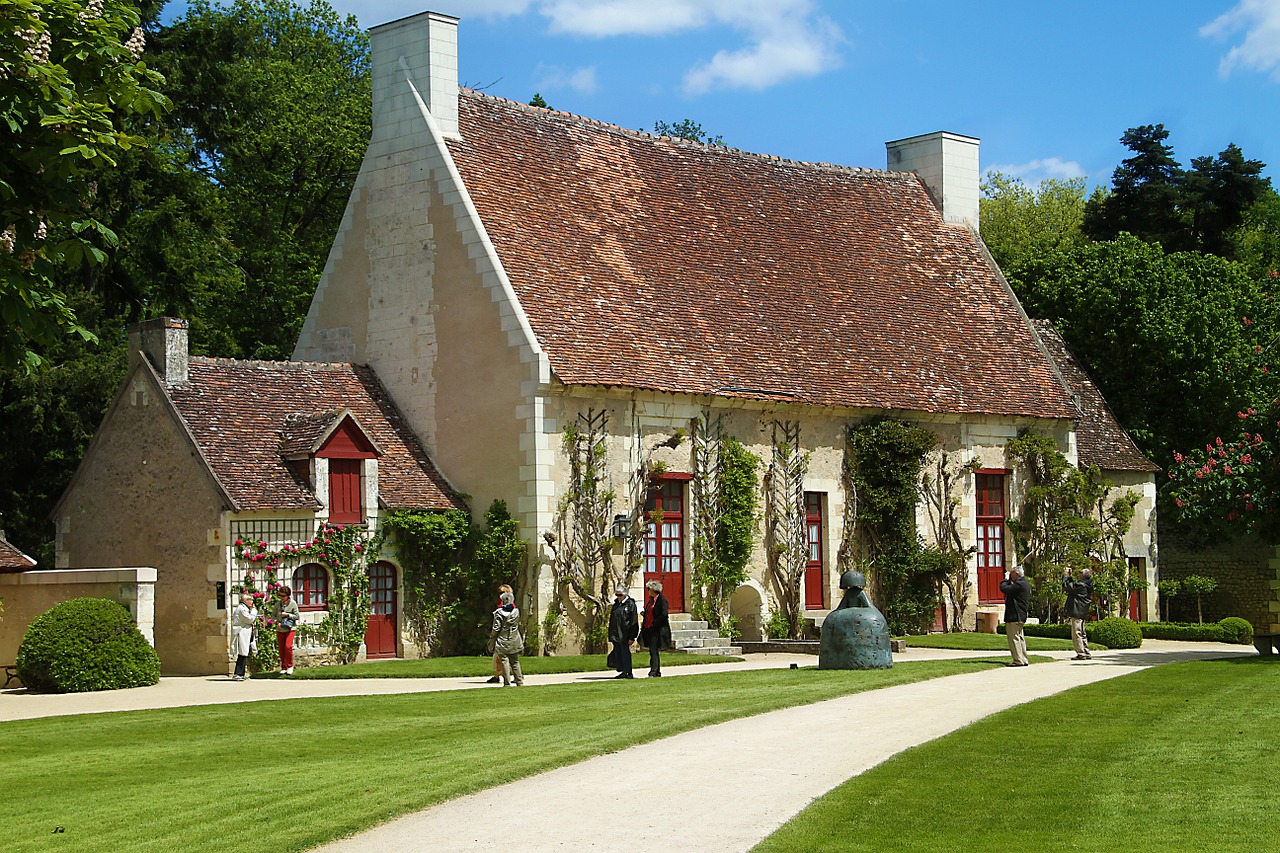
{"x":243,"y":621}
{"x":1017,"y":607}
{"x":286,"y":616}
{"x":1079,"y":600}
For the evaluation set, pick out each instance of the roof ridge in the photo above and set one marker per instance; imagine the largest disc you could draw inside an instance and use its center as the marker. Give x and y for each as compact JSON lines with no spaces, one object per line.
{"x":278,"y":363}
{"x":706,"y":146}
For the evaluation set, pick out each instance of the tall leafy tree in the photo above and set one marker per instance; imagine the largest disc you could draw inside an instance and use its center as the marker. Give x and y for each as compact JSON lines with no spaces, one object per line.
{"x":1018,"y":220}
{"x":1217,"y":192}
{"x":70,"y":73}
{"x":1145,"y":189}
{"x":275,"y":109}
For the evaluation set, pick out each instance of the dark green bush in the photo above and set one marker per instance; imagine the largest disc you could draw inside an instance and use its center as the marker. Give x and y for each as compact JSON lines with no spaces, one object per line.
{"x":1115,"y":633}
{"x":1236,"y":630}
{"x":1185,"y":631}
{"x":1061,"y":632}
{"x":86,"y":644}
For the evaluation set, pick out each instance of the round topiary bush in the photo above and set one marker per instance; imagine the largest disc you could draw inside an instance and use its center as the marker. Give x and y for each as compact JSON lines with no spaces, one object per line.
{"x":1115,"y":633}
{"x":1236,"y":630}
{"x":86,"y":644}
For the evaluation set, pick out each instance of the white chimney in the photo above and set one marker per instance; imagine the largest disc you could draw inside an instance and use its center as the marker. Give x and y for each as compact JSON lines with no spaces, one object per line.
{"x":948,"y":165}
{"x":163,"y":341}
{"x":423,"y":47}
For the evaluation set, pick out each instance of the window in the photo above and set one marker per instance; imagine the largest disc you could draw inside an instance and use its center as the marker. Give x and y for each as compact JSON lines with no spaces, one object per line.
{"x":344,"y":492}
{"x":813,"y":569}
{"x":989,"y":495}
{"x":664,"y":543}
{"x":311,"y":587}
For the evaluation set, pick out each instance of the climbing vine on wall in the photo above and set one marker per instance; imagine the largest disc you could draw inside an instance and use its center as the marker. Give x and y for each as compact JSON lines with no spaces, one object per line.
{"x":346,"y":551}
{"x":883,"y":460}
{"x":940,"y":488}
{"x":725,"y":503}
{"x":785,"y":536}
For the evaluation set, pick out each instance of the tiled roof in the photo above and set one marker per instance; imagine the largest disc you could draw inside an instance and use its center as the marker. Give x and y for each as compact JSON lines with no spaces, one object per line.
{"x":1100,"y":440}
{"x":649,"y":262}
{"x":11,"y":559}
{"x":239,"y":411}
{"x":301,"y":432}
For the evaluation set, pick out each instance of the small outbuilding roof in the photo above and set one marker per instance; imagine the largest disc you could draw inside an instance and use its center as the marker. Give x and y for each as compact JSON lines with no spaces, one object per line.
{"x":11,"y":559}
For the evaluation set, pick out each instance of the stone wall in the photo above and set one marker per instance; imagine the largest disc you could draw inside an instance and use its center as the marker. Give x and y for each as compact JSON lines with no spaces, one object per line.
{"x":26,"y":595}
{"x":1246,"y":574}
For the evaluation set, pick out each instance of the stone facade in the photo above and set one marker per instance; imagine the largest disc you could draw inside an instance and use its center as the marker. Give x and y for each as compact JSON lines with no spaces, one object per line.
{"x":1248,"y":574}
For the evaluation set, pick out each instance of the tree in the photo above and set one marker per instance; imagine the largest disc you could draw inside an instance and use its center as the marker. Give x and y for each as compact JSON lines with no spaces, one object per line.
{"x":275,"y":113}
{"x":538,"y":101}
{"x":1145,"y":190}
{"x":687,"y":129}
{"x":1217,"y":193}
{"x":70,"y":72}
{"x":1168,"y":589}
{"x":1017,"y":220}
{"x":1163,"y":335}
{"x":1199,"y":586}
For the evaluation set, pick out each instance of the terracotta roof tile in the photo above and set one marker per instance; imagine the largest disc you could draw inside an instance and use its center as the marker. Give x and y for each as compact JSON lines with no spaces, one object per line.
{"x":1100,"y":440}
{"x":11,"y":559}
{"x":655,"y":263}
{"x":244,"y":413}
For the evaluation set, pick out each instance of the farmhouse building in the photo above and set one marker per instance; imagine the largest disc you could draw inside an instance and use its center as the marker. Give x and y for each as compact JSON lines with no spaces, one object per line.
{"x":509,"y":272}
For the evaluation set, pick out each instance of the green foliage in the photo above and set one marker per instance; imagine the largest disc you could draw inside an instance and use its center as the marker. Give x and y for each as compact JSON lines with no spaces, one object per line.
{"x":688,"y":129}
{"x":1236,"y":630}
{"x":1168,"y":589}
{"x":735,"y":534}
{"x":1019,"y":221}
{"x":882,"y":465}
{"x":73,"y":76}
{"x":1199,"y":586}
{"x":778,"y":625}
{"x":1115,"y":632}
{"x":538,"y":101}
{"x":86,"y":644}
{"x":1184,"y":632}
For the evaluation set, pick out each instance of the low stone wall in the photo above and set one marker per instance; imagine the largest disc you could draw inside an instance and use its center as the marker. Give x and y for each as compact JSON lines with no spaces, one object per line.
{"x":1244,"y":569}
{"x":26,"y":595}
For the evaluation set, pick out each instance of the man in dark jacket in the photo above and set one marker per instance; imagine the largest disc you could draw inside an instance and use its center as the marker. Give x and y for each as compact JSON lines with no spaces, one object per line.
{"x":624,"y":625}
{"x":1017,"y":606}
{"x":1079,"y":600}
{"x":657,"y":627}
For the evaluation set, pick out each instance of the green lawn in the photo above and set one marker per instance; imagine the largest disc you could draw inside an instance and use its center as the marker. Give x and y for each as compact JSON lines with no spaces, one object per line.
{"x":469,"y":666}
{"x":216,"y":778}
{"x":987,"y":642}
{"x":1179,"y":757}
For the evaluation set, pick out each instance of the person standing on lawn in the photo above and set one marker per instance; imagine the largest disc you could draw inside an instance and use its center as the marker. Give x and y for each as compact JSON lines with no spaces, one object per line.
{"x":497,"y":659}
{"x":657,"y":627}
{"x":1017,"y":607}
{"x":624,"y":625}
{"x":287,"y":616}
{"x":243,"y":619}
{"x":508,"y":643}
{"x":1079,"y":600}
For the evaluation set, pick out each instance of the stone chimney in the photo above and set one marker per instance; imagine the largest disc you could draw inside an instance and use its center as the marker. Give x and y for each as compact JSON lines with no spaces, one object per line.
{"x":421,"y":50}
{"x":164,"y":343}
{"x":948,"y":165}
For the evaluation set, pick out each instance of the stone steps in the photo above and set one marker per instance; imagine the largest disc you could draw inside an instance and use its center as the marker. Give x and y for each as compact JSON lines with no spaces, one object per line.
{"x":694,"y":636}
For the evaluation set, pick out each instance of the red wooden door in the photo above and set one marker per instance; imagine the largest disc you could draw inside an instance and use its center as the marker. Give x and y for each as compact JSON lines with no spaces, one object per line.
{"x":813,"y":569}
{"x":664,"y":540}
{"x":989,"y":490}
{"x":380,"y":635}
{"x":344,"y":491}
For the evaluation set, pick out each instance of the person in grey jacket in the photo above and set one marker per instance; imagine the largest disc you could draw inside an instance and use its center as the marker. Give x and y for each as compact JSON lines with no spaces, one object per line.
{"x":508,"y":642}
{"x":1017,"y":607}
{"x":624,"y":626}
{"x":1079,"y":600}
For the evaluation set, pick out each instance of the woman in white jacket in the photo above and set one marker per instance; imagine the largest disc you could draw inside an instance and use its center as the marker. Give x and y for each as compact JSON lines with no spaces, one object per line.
{"x":242,"y":622}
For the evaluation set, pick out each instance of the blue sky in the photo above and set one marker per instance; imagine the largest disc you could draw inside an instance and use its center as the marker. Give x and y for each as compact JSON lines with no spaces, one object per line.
{"x":1048,"y":87}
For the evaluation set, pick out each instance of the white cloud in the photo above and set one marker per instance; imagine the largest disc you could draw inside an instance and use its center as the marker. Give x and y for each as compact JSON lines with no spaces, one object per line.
{"x":784,"y":38}
{"x":1260,"y":50}
{"x":553,"y":77}
{"x":1035,"y":171}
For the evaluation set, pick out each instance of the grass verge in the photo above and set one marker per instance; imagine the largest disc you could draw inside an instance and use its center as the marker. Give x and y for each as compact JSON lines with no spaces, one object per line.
{"x":973,"y":641}
{"x":226,"y":777}
{"x":1170,"y":758}
{"x":473,"y":666}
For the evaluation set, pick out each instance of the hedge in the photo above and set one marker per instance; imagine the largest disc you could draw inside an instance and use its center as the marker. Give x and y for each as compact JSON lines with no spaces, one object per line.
{"x":1233,"y":629}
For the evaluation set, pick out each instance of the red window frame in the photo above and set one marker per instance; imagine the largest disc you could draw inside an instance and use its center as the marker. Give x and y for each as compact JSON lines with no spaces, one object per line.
{"x":311,"y":587}
{"x":664,"y":543}
{"x":346,"y":504}
{"x":990,"y":506}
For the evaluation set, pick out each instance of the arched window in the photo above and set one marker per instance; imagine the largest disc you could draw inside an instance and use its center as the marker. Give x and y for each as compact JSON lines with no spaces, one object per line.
{"x":311,"y":587}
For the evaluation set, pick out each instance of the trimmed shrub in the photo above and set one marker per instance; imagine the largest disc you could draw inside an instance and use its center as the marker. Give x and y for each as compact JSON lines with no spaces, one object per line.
{"x":1060,"y":632}
{"x":1115,"y":633}
{"x":1236,"y":630}
{"x":1185,"y":631}
{"x":86,"y":644}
